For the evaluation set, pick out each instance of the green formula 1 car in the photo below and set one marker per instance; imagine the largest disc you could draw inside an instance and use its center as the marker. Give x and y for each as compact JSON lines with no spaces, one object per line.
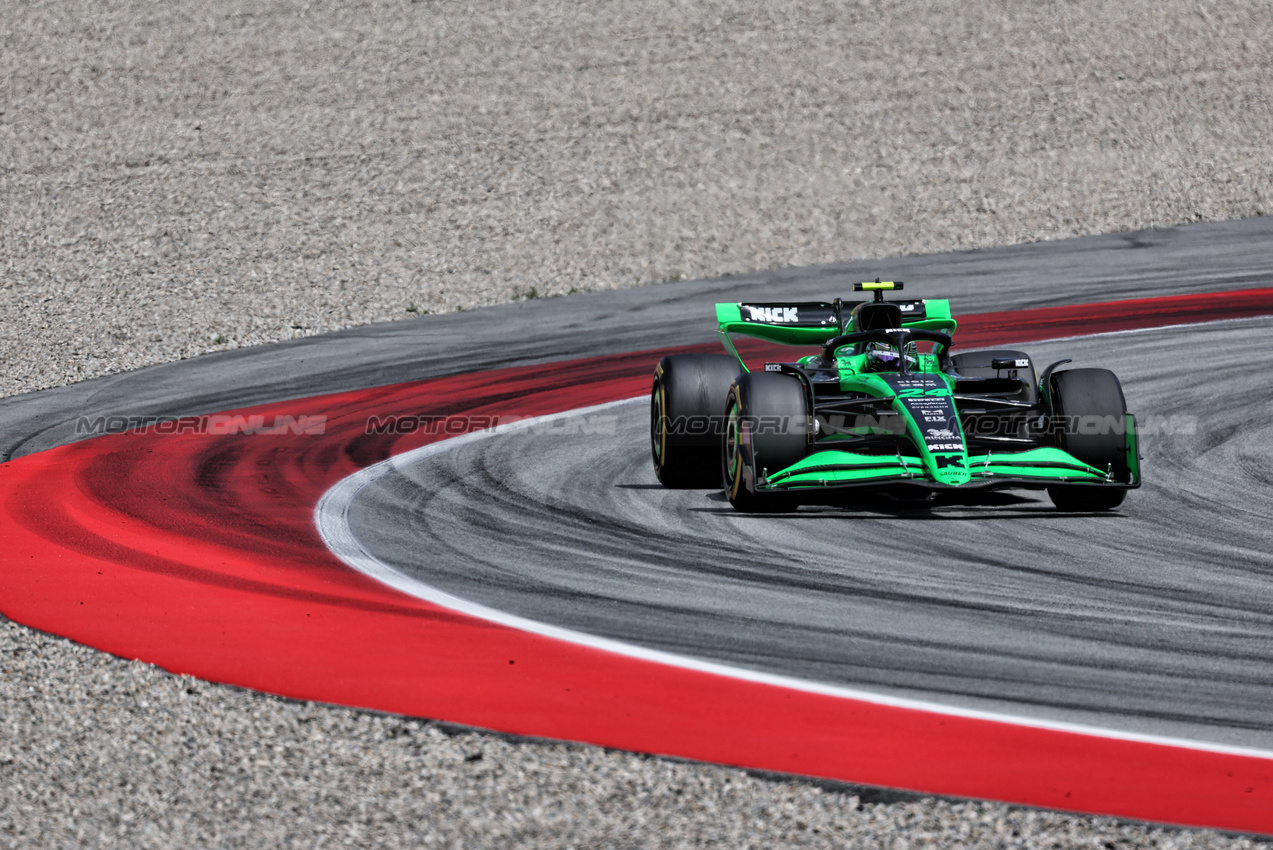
{"x":885,"y":406}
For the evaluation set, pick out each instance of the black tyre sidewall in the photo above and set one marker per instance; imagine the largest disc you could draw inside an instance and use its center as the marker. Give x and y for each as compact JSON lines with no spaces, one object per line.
{"x":777,"y":412}
{"x":1091,"y":395}
{"x":1074,"y":498}
{"x":689,"y":388}
{"x":1077,"y":395}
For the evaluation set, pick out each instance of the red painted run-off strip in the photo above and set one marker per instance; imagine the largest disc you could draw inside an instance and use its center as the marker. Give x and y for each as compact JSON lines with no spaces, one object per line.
{"x":197,"y":552}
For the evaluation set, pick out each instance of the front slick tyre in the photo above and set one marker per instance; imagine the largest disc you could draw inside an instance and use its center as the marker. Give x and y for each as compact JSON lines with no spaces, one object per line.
{"x":775,"y":413}
{"x":1082,"y":398}
{"x":1078,"y":499}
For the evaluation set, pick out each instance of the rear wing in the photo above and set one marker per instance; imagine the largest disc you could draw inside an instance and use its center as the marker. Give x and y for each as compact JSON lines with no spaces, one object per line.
{"x":815,"y":322}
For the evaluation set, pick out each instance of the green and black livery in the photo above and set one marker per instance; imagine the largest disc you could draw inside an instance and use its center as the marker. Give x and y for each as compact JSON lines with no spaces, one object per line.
{"x":885,"y":405}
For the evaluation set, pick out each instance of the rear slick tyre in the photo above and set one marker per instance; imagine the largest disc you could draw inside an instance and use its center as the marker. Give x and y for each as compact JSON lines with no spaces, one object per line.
{"x":685,"y":424}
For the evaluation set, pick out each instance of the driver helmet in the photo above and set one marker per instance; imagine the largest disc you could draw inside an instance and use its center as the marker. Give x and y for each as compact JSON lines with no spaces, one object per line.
{"x":882,"y":357}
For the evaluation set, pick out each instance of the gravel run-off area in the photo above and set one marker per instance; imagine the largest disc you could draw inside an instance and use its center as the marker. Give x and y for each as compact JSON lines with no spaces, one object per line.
{"x":186,"y":177}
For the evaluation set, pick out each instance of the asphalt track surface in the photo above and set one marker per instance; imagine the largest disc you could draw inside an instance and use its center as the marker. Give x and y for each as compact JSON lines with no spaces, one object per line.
{"x":1154,"y":619}
{"x":1193,"y":258}
{"x":1163,"y":629}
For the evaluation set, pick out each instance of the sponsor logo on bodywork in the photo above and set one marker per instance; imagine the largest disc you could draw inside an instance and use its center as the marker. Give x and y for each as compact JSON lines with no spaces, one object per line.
{"x":937,"y":420}
{"x":928,"y":401}
{"x":771,"y":315}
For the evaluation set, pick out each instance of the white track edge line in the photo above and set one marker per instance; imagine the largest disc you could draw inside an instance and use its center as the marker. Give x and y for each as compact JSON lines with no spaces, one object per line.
{"x":331,"y":518}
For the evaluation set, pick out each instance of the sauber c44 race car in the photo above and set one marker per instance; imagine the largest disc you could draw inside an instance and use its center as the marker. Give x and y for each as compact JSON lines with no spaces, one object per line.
{"x":885,"y":406}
